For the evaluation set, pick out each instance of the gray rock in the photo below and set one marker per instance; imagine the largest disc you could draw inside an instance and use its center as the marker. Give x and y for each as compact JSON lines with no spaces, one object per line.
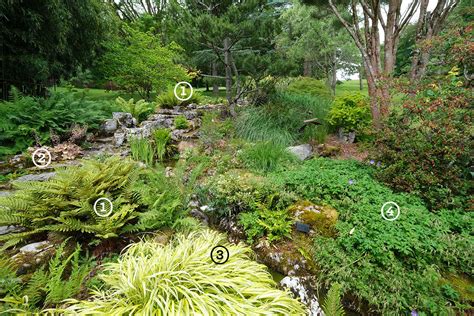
{"x":9,"y":229}
{"x":5,"y":193}
{"x":190,"y":115}
{"x":302,"y":151}
{"x":119,"y":139}
{"x":177,"y":134}
{"x":109,"y":127}
{"x":135,"y":132}
{"x":123,"y":119}
{"x":35,"y":247}
{"x":301,"y":287}
{"x":36,"y":177}
{"x":199,"y":215}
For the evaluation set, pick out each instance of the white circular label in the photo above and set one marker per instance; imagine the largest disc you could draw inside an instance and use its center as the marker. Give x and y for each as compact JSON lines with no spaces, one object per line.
{"x":390,"y":211}
{"x":41,"y":157}
{"x":180,"y":91}
{"x":103,"y":207}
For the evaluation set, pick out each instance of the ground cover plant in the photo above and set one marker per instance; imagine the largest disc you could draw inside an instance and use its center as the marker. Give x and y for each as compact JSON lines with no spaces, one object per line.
{"x":179,"y":278}
{"x":400,"y":265}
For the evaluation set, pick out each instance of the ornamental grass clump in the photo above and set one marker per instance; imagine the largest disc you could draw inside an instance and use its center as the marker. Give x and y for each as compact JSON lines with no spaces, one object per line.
{"x":180,"y":279}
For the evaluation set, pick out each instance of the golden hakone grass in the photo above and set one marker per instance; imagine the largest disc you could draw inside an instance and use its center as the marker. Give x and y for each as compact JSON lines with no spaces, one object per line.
{"x":180,"y":279}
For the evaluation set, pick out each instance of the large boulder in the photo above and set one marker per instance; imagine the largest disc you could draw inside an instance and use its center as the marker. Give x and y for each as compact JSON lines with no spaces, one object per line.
{"x":109,"y":127}
{"x":321,"y":219}
{"x":303,"y":152}
{"x":124,"y":119}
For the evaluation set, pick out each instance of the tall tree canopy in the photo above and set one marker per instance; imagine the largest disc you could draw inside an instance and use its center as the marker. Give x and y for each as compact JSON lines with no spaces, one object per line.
{"x":47,"y":39}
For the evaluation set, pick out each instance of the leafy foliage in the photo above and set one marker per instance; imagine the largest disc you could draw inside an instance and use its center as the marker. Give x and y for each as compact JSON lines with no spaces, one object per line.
{"x":332,"y":304}
{"x":167,"y":100}
{"x":180,"y":122}
{"x":395,"y":266}
{"x":63,"y":279}
{"x":139,"y":109}
{"x":311,"y":86}
{"x":180,"y":278}
{"x":281,"y":121}
{"x":161,"y":138}
{"x":350,"y":112}
{"x":142,"y":150}
{"x":214,"y":129}
{"x":48,"y":39}
{"x":135,"y":61}
{"x":25,"y":121}
{"x":265,"y":156}
{"x":235,"y":192}
{"x":275,"y":224}
{"x":65,"y":203}
{"x":425,"y":145}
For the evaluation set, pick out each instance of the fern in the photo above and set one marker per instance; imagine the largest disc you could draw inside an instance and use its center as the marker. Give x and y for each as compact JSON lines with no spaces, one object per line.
{"x":332,"y":304}
{"x":62,"y":279}
{"x":138,"y":109}
{"x":65,"y":203}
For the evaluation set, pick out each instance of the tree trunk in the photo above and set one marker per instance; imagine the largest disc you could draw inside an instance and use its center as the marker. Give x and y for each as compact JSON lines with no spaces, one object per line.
{"x":228,"y":76}
{"x":215,"y":85}
{"x":334,"y":74}
{"x":374,"y":93}
{"x":361,"y":83}
{"x":307,"y":68}
{"x":428,"y":26}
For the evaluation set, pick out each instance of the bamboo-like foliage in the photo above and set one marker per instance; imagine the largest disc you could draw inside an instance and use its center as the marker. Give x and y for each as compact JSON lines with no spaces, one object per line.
{"x":180,"y":279}
{"x":65,"y":203}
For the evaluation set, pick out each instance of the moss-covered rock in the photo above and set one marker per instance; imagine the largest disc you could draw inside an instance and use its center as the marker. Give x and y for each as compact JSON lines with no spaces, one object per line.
{"x":324,"y":150}
{"x":321,"y":219}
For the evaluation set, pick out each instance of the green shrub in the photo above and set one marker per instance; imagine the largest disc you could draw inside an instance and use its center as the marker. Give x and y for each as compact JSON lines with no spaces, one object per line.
{"x":167,"y":100}
{"x":239,"y":191}
{"x":394,"y":266}
{"x":281,"y":121}
{"x":180,"y":278}
{"x":25,"y":120}
{"x":311,"y":86}
{"x":350,"y":112}
{"x":142,"y":150}
{"x":426,"y":146}
{"x":180,"y":122}
{"x":139,"y":110}
{"x":265,"y":156}
{"x":161,"y":138}
{"x":274,"y":224}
